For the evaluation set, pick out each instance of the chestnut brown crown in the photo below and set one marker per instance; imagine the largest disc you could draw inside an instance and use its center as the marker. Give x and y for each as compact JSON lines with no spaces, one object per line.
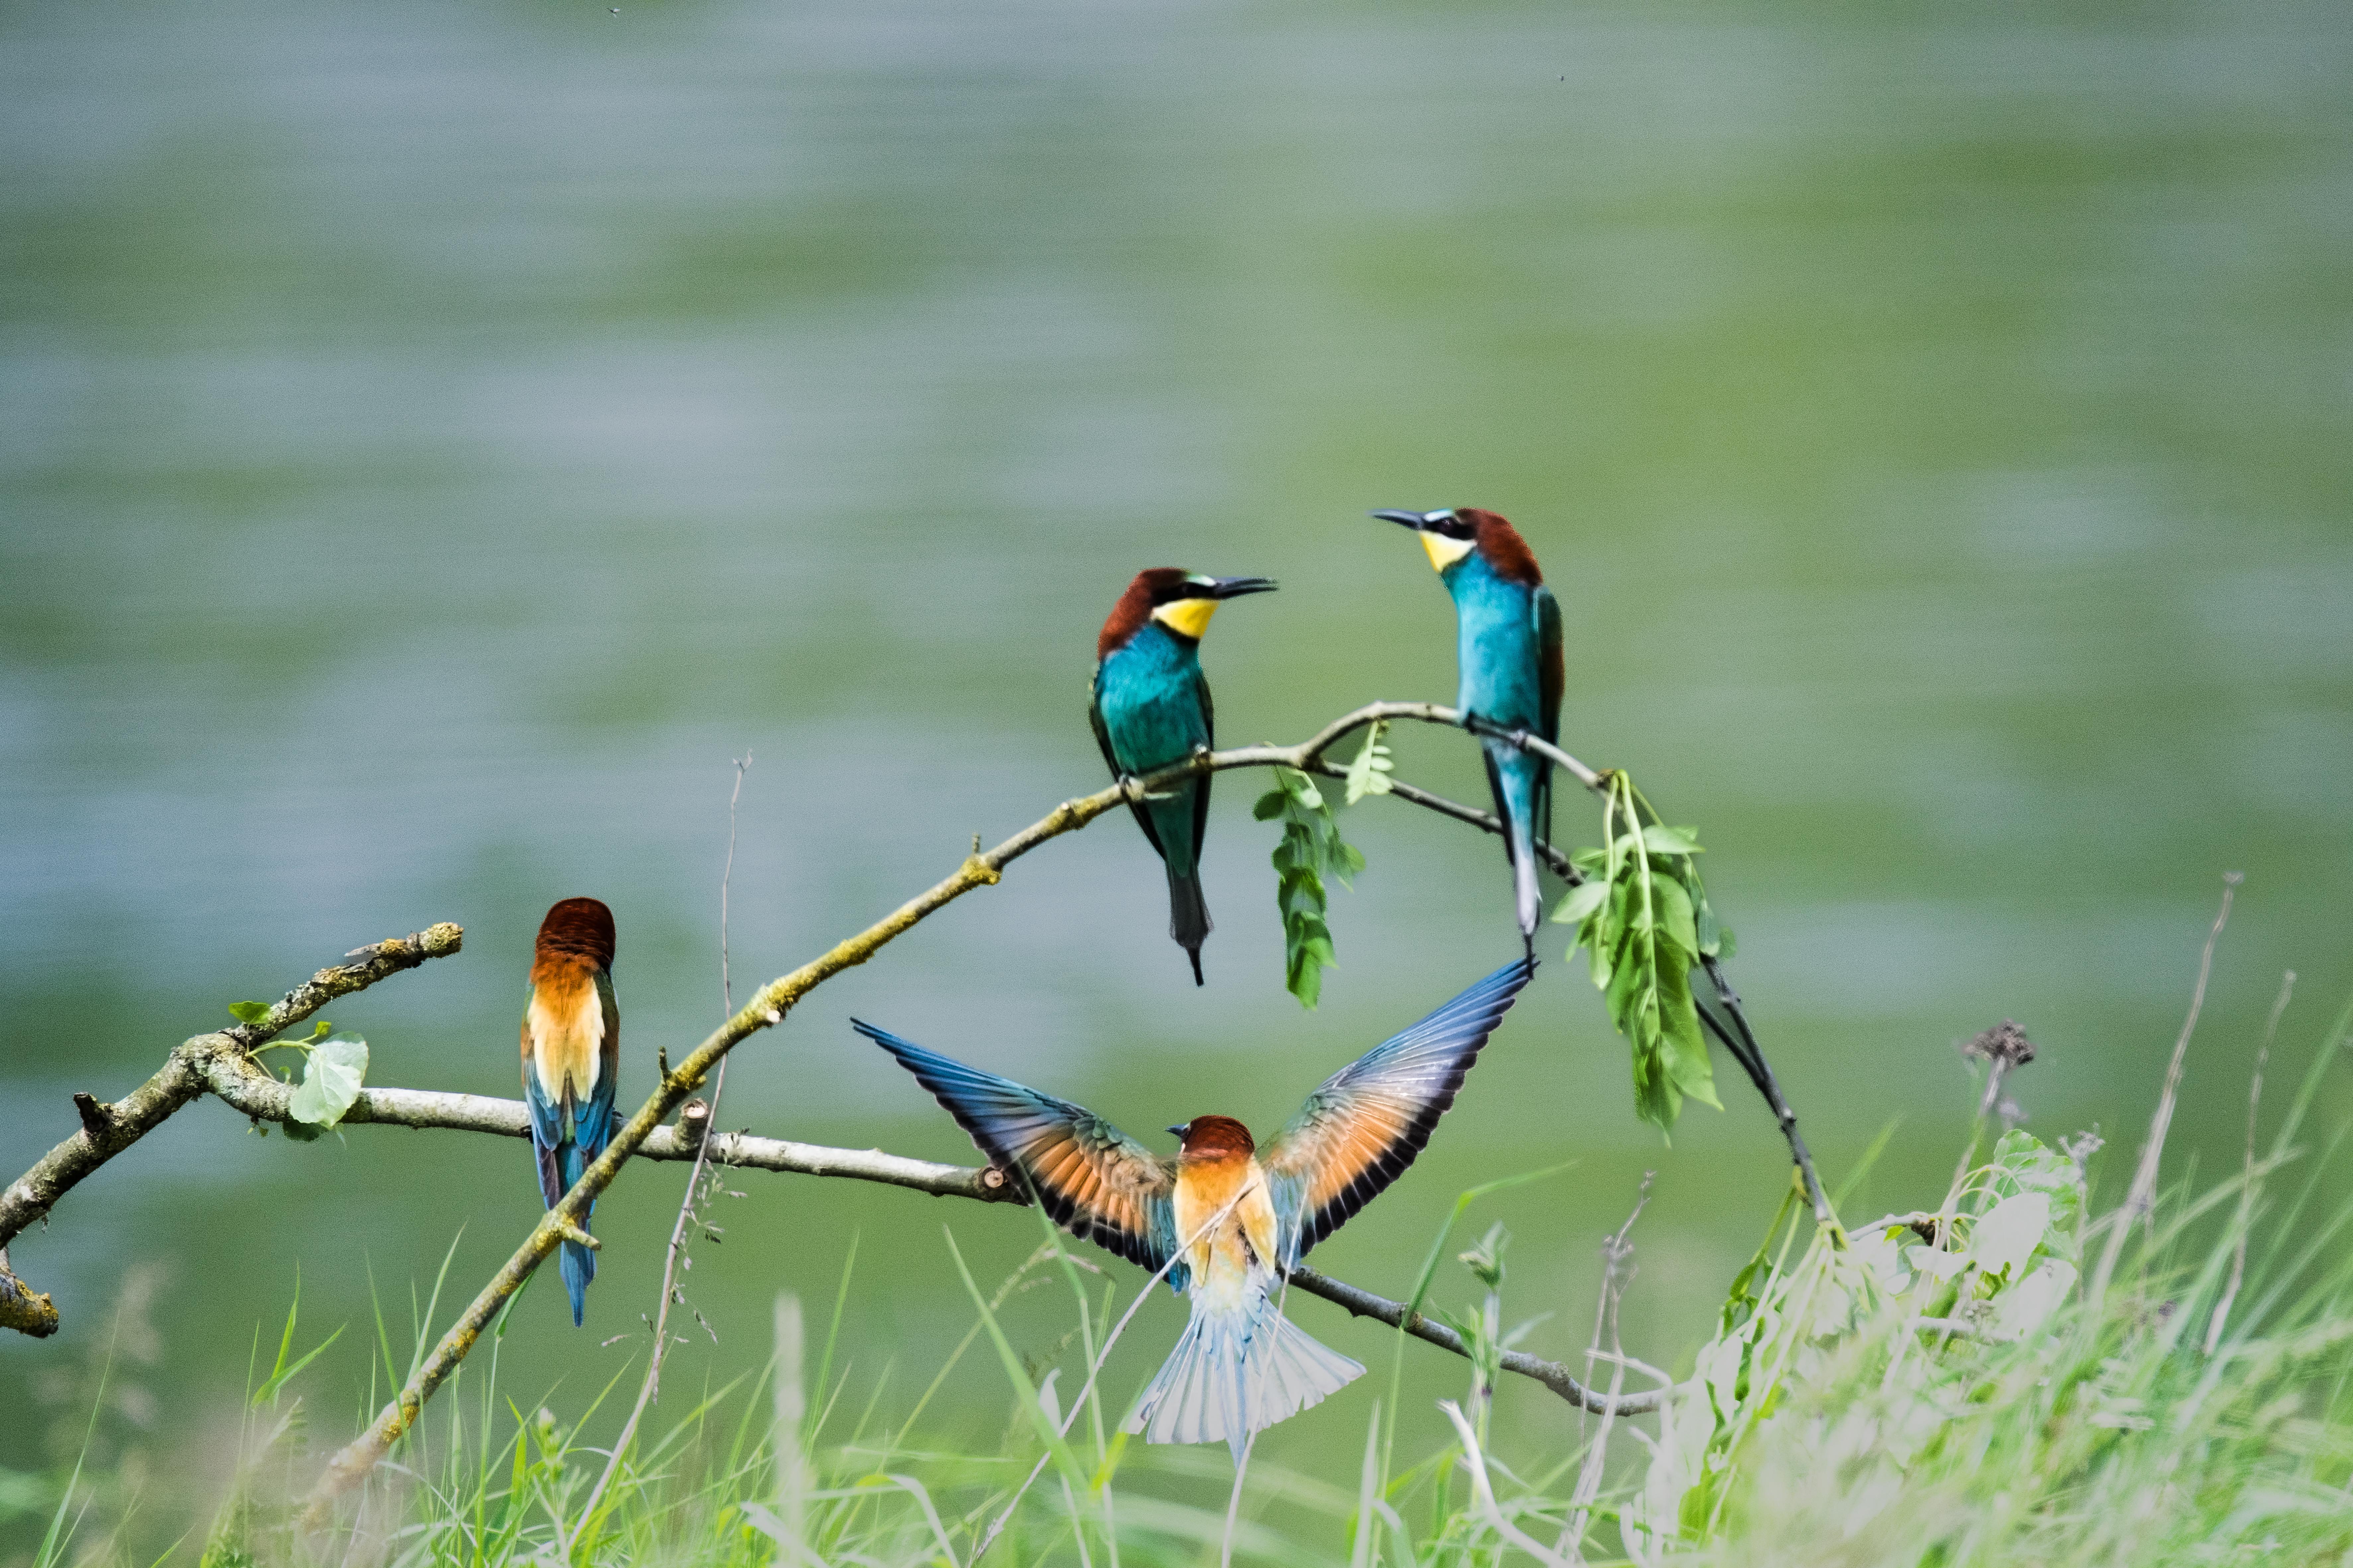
{"x":1214,"y":1137}
{"x":582,"y":926}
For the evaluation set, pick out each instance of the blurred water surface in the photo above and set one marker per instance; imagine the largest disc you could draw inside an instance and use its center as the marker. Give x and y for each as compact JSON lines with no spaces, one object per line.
{"x":436,"y":438}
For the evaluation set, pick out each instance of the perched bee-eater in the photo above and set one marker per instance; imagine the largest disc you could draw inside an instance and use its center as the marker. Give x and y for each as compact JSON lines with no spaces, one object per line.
{"x":1508,"y":647}
{"x":570,"y":1058}
{"x":1151,"y":707}
{"x":1226,"y":1217}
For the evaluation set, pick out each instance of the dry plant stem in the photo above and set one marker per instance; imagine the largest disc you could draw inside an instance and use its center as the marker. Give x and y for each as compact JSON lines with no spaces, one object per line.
{"x":768,"y":1006}
{"x":2140,"y":1199}
{"x":107,"y":1130}
{"x":2247,"y":1178}
{"x":650,"y":1389}
{"x":1615,"y":1254}
{"x":1484,"y":1495}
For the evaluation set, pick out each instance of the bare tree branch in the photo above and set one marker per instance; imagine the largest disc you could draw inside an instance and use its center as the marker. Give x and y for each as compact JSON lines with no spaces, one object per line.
{"x":220,"y":1064}
{"x":260,"y":1096}
{"x":1551,"y":1374}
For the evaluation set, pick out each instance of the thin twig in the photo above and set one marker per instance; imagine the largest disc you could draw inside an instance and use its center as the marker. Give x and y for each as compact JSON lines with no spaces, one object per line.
{"x":689,"y":1206}
{"x":2247,"y":1177}
{"x":2140,"y":1198}
{"x":1551,"y":1374}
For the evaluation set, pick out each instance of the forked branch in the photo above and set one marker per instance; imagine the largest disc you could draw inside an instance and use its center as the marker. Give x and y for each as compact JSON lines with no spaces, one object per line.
{"x":221,"y":1064}
{"x":769,"y":1004}
{"x":107,"y":1129}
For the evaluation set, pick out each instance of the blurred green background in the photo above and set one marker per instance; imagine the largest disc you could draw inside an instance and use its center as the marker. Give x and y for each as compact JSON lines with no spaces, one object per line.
{"x":437,"y":438}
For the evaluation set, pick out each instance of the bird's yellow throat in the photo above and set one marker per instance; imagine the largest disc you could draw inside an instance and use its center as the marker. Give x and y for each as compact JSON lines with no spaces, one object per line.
{"x":1444,"y":551}
{"x":1186,"y":618}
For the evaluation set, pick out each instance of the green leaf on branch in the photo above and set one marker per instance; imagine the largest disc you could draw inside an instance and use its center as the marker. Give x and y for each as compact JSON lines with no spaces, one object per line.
{"x":1643,"y":917}
{"x":1369,"y":774}
{"x":1311,"y":849}
{"x":331,"y":1081}
{"x":248,"y":1012}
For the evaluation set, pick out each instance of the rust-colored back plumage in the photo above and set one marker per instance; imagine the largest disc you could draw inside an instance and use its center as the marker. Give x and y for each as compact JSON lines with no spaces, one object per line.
{"x":1507,"y":555}
{"x":1134,"y":608}
{"x":579,"y":927}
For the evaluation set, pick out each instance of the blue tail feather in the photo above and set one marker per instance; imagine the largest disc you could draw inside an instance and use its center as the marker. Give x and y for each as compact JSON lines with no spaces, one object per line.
{"x":578,"y":1263}
{"x":579,"y":1267}
{"x":1234,"y":1372}
{"x":1517,"y":779}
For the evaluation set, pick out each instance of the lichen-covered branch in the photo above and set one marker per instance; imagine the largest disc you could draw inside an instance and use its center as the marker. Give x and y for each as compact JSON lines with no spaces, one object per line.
{"x":264,"y":1098}
{"x":22,"y":1308}
{"x":107,"y":1129}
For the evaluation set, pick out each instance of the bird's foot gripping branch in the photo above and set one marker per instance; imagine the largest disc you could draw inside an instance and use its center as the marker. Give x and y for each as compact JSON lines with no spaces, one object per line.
{"x":223,"y":1064}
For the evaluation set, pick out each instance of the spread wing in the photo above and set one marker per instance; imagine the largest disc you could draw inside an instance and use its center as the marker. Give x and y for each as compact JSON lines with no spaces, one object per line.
{"x":1359,"y":1131}
{"x":1552,"y":668}
{"x":1110,"y":759}
{"x":1095,"y":1180}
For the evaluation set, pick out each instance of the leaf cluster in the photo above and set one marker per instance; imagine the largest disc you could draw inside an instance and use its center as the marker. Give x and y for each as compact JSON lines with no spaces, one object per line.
{"x":1311,"y":849}
{"x":1642,"y":916}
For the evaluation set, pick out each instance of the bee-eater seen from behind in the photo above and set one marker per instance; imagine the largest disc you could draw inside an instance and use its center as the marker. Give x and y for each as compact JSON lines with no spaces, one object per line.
{"x":1508,"y":647}
{"x":1226,"y":1217}
{"x":1150,"y":706}
{"x":571,"y":1061}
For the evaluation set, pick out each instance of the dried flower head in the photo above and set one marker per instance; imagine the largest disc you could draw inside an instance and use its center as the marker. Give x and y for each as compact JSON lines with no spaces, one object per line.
{"x":2005,"y":1044}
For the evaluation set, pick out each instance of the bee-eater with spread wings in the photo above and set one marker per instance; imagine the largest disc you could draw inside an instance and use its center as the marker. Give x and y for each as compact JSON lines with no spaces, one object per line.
{"x":1226,"y":1217}
{"x":1508,"y":646}
{"x":1150,"y":706}
{"x":571,"y":1061}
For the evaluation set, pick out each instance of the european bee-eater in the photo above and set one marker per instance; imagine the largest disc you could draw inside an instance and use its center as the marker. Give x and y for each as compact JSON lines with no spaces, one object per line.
{"x":1508,"y":647}
{"x":571,"y":1061}
{"x":1230,"y":1213}
{"x":1150,"y":706}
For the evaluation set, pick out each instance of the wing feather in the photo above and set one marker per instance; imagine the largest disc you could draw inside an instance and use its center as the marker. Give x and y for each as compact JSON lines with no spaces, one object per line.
{"x":1095,"y":1180}
{"x":1361,"y":1130}
{"x":1552,"y":667}
{"x":1201,"y":785}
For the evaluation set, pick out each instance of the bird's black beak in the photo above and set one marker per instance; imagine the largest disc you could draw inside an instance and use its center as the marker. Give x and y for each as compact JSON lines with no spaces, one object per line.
{"x":1179,"y":1127}
{"x":1235,"y":587}
{"x":1417,"y":520}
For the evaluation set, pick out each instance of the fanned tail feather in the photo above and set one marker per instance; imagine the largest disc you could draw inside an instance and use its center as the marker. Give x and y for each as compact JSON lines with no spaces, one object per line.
{"x":1233,"y":1374}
